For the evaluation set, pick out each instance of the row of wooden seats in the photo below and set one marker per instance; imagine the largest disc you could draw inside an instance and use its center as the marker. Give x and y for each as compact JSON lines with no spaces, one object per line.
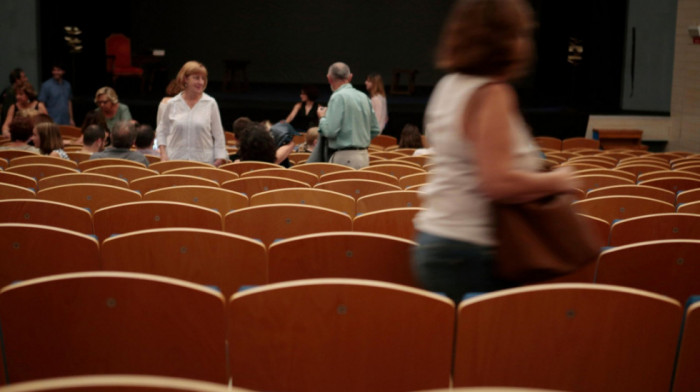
{"x":615,"y":207}
{"x":203,"y":256}
{"x":266,"y":223}
{"x":347,"y":335}
{"x":95,"y":195}
{"x":307,"y":252}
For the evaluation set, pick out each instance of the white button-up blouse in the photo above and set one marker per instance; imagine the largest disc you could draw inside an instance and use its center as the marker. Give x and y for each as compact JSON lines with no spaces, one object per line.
{"x":194,"y":134}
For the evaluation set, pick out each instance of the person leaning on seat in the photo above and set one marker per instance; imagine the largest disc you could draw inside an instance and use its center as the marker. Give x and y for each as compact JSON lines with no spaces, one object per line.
{"x":349,"y":122}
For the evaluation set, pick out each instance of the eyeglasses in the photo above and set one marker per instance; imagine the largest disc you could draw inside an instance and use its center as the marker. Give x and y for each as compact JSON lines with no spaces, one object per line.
{"x":102,"y":102}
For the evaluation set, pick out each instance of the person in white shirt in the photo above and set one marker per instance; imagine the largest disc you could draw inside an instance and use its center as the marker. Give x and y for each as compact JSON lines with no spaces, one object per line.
{"x":375,"y":87}
{"x":191,"y":125}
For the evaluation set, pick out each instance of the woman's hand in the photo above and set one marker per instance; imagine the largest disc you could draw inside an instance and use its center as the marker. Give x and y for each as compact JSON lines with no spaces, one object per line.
{"x":163,"y":153}
{"x":219,"y":162}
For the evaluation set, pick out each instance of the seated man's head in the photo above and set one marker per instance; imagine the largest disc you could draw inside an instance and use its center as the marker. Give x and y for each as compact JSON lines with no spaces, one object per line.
{"x":94,"y":137}
{"x":239,"y":125}
{"x":257,"y":144}
{"x":145,"y":135}
{"x":311,"y":137}
{"x":21,"y":129}
{"x":123,"y":134}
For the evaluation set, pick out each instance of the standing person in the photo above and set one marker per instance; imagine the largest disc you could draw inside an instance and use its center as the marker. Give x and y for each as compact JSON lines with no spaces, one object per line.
{"x":26,"y":105}
{"x":56,"y":94}
{"x":482,"y":148}
{"x":304,"y":113}
{"x":17,"y":77}
{"x":375,"y":87}
{"x":108,"y":104}
{"x":191,"y":125}
{"x":348,"y":122}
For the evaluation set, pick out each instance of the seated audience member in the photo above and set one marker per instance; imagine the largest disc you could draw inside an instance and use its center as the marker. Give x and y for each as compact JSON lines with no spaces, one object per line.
{"x":257,"y":144}
{"x":26,"y":105}
{"x":20,"y":135}
{"x":123,"y":136}
{"x":47,"y":137}
{"x":93,"y":139}
{"x":410,"y":137}
{"x":41,"y":118}
{"x":239,"y":125}
{"x":145,"y":136}
{"x":108,"y":104}
{"x":303,"y":115}
{"x":283,"y":135}
{"x":94,"y":117}
{"x":310,"y":141}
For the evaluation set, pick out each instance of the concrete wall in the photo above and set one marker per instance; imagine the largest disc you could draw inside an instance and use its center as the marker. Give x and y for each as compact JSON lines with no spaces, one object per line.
{"x":19,"y":40}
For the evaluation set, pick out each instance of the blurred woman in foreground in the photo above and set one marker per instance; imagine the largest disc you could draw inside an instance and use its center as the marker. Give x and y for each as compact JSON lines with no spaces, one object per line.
{"x":482,"y":149}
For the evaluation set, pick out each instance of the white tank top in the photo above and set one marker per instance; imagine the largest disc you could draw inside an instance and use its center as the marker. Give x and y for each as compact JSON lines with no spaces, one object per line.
{"x":455,"y":206}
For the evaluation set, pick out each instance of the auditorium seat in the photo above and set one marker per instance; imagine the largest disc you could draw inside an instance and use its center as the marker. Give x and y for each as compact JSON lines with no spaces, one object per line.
{"x":119,"y":323}
{"x":10,"y":154}
{"x":574,"y":337}
{"x":144,"y":185}
{"x":142,"y":215}
{"x":386,"y":154}
{"x":692,"y":207}
{"x":122,"y":382}
{"x":668,"y":267}
{"x":356,"y":188}
{"x":594,"y":181}
{"x":39,"y":170}
{"x":82,"y":178}
{"x":226,"y":261}
{"x":396,"y":222}
{"x":307,"y":196}
{"x":686,"y":376}
{"x":353,"y":174}
{"x":548,"y":142}
{"x":221,"y":200}
{"x":608,"y":172}
{"x":689,"y":168}
{"x":47,"y":213}
{"x":682,"y":197}
{"x":395,"y":170}
{"x":611,"y":208}
{"x":11,"y":191}
{"x":78,"y":156}
{"x":125,"y":172}
{"x":640,"y":168}
{"x":162,"y":167}
{"x":320,"y":168}
{"x":340,"y":335}
{"x":413,"y":179}
{"x":573,"y":143}
{"x":90,"y":196}
{"x":245,"y":166}
{"x":384,"y":141}
{"x":92,"y":163}
{"x":271,"y":222}
{"x":667,"y":226}
{"x":29,"y":251}
{"x":251,"y":186}
{"x":342,"y":255}
{"x":673,"y":184}
{"x":306,"y":177}
{"x":44,"y":160}
{"x":607,"y":163}
{"x":666,"y":173}
{"x":386,"y":200}
{"x":17,"y":179}
{"x":215,"y":174}
{"x":634,"y":190}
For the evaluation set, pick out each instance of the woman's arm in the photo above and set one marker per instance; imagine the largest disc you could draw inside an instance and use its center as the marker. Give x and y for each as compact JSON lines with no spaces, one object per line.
{"x":294,"y":112}
{"x":486,"y":123}
{"x":8,"y":120}
{"x":42,"y":108}
{"x":217,"y":133}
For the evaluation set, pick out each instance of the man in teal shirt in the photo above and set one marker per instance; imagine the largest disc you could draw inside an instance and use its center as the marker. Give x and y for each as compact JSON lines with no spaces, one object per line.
{"x":349,"y":122}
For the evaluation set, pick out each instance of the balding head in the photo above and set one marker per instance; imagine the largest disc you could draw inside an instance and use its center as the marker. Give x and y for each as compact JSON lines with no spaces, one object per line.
{"x":123,"y":134}
{"x":339,"y":71}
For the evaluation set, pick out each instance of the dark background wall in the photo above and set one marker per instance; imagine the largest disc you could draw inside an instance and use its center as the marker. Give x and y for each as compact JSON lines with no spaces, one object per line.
{"x":289,"y":43}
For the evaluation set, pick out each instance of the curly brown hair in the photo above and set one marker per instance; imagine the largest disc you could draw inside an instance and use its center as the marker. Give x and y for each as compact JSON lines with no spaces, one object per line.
{"x":480,"y":37}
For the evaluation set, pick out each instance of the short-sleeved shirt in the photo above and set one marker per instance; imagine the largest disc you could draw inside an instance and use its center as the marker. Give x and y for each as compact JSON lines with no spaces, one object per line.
{"x":56,"y":96}
{"x":350,"y":121}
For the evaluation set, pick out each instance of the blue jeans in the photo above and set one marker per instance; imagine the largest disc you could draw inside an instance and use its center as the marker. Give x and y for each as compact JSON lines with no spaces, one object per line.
{"x":454,"y":267}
